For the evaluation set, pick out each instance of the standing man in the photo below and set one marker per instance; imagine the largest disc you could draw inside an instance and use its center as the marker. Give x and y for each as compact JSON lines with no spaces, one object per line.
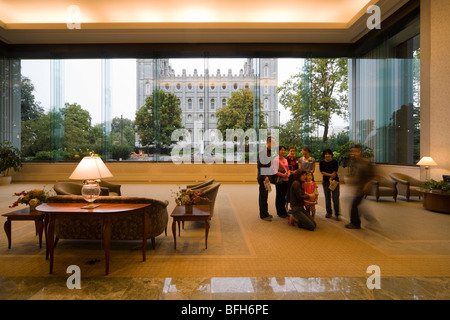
{"x":364,"y":173}
{"x":264,"y":166}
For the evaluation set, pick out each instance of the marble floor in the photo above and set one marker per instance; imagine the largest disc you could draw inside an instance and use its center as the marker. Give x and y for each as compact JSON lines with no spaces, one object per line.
{"x":224,"y":288}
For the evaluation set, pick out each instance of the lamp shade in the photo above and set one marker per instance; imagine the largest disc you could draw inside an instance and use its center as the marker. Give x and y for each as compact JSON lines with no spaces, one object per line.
{"x":426,"y":161}
{"x":90,"y":168}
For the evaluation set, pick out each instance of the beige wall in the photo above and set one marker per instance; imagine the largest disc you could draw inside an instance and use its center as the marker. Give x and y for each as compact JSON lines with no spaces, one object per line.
{"x":435,"y":84}
{"x":144,"y":172}
{"x":147,"y":172}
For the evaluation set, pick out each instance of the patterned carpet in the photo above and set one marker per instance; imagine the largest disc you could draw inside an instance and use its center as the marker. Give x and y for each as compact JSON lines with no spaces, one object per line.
{"x":404,"y":240}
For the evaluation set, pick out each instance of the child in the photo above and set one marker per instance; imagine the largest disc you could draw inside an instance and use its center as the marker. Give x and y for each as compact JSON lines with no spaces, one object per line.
{"x":310,"y":187}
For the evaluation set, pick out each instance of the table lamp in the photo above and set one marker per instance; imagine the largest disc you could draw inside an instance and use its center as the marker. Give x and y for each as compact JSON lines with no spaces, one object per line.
{"x":90,"y":170}
{"x":427,"y":162}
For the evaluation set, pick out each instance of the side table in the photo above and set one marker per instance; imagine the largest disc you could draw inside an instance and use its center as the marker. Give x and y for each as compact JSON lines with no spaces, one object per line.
{"x":199,"y":213}
{"x":25,"y":214}
{"x":106,"y":212}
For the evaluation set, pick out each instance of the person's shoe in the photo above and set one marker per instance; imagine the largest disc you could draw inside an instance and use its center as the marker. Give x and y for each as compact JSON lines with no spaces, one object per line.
{"x":338,"y":217}
{"x":283,"y":216}
{"x":328,"y":215}
{"x":268,"y":218}
{"x":352,"y":226}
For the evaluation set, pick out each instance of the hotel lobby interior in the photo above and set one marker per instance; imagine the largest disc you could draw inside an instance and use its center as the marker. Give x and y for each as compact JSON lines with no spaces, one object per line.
{"x":246,"y":258}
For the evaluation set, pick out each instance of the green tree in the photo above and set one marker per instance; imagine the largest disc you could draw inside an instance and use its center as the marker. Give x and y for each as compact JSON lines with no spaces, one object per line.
{"x":238,"y":112}
{"x":158,"y":118}
{"x":36,"y":135}
{"x":35,"y":126}
{"x":29,"y":107}
{"x":122,"y":131}
{"x":316,"y":94}
{"x":77,"y":124}
{"x":291,"y":134}
{"x":96,"y":135}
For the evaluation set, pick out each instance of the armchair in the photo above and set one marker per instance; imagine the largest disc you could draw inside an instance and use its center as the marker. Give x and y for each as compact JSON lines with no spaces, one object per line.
{"x":407,"y":186}
{"x":114,"y":189}
{"x":67,"y":188}
{"x":383,"y":187}
{"x":211,"y":193}
{"x":200,"y":185}
{"x":72,"y":188}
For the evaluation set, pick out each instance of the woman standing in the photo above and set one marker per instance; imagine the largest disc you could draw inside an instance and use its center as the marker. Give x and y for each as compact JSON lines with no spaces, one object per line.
{"x":293,"y":165}
{"x":282,"y":170}
{"x":329,"y":168}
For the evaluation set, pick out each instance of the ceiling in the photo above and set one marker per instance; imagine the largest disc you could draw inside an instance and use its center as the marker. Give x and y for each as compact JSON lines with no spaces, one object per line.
{"x":193,"y":21}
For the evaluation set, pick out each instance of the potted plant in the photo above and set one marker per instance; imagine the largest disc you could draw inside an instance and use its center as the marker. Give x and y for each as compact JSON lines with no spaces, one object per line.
{"x":437,"y":186}
{"x":344,"y":158}
{"x":10,"y":158}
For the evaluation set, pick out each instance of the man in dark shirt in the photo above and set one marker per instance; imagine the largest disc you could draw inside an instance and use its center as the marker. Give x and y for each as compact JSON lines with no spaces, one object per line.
{"x":264,"y":166}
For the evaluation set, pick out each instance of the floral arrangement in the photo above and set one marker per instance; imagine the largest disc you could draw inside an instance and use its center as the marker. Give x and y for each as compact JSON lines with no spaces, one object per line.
{"x":189,"y":197}
{"x":25,"y":197}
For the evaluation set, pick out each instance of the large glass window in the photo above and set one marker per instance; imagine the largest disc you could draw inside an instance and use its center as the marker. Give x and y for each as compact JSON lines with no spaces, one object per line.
{"x":127,"y":109}
{"x":385,"y":99}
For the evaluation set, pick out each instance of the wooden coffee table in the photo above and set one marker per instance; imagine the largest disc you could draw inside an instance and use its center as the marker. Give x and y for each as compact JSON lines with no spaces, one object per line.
{"x":105,"y":212}
{"x":436,"y":201}
{"x":199,"y":213}
{"x":25,"y":214}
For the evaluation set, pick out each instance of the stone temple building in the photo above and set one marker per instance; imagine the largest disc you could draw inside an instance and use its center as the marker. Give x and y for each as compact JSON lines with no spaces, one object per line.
{"x":201,"y":95}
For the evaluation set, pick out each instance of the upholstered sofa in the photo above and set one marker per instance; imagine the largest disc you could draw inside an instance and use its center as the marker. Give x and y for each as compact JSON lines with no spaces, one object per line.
{"x":123,"y":228}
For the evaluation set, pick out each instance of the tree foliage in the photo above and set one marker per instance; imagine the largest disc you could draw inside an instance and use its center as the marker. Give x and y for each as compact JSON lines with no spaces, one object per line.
{"x":238,"y":113}
{"x":158,"y":118}
{"x":29,"y":107}
{"x":68,"y":134}
{"x":317,"y":93}
{"x":77,"y":123}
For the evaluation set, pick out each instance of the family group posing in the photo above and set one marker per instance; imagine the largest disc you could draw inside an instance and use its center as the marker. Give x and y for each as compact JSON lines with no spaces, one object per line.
{"x":296,"y":191}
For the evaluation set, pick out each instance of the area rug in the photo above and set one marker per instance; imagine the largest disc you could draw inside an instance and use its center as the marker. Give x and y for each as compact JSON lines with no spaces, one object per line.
{"x":239,"y":245}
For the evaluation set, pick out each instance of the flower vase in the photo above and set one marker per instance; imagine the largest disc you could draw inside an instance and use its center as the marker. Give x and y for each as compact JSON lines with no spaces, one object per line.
{"x":188,"y":208}
{"x":33,"y":204}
